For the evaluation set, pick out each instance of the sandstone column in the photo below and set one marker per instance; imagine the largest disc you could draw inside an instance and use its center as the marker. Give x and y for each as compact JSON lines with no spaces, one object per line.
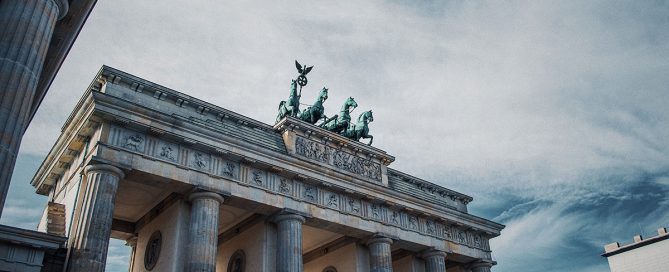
{"x":92,"y":240}
{"x":435,"y":261}
{"x":203,"y":231}
{"x":481,"y":266}
{"x":289,"y":242}
{"x":380,"y":258}
{"x":26,"y":27}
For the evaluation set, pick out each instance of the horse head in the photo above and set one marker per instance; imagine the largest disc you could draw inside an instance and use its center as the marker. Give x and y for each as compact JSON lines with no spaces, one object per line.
{"x":366,"y":117}
{"x":293,"y":87}
{"x":350,"y":102}
{"x":323,"y":95}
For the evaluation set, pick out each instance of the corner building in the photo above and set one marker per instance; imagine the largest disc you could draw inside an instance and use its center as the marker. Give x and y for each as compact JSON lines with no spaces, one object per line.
{"x":195,"y":187}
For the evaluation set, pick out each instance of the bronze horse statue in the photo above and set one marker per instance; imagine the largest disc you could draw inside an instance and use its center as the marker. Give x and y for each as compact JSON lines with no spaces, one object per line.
{"x":361,"y":129}
{"x":291,"y":107}
{"x":339,"y":123}
{"x":316,"y":112}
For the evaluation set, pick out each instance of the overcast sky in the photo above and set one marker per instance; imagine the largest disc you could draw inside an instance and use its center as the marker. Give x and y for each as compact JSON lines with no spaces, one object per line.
{"x":552,"y":115}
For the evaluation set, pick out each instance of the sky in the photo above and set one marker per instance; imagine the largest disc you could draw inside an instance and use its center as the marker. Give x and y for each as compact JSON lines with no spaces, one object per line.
{"x":552,"y":114}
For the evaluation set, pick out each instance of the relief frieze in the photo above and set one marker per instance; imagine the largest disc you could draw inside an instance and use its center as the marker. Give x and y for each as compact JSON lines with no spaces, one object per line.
{"x":168,"y":152}
{"x":199,"y":160}
{"x":134,"y":141}
{"x":343,"y":202}
{"x":229,"y":169}
{"x":284,"y":186}
{"x":333,"y":200}
{"x":339,"y":159}
{"x":257,"y":176}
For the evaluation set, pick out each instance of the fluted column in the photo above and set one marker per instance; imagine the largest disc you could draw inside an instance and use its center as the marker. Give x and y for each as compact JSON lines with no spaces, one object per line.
{"x":481,"y":266}
{"x":380,"y":257}
{"x":92,"y":239}
{"x":26,"y":27}
{"x":203,"y":231}
{"x":435,"y":261}
{"x":289,"y":242}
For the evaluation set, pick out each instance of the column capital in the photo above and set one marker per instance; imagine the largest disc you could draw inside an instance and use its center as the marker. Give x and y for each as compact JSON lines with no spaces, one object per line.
{"x":211,"y":195}
{"x":481,"y":263}
{"x":288,"y":216}
{"x":131,"y":242}
{"x":432,"y":253}
{"x":104,"y":168}
{"x":379,"y":239}
{"x":63,"y":7}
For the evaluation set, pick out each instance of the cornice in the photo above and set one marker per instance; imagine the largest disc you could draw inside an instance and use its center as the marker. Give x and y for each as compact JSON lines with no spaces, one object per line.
{"x":430,"y":187}
{"x":160,"y":92}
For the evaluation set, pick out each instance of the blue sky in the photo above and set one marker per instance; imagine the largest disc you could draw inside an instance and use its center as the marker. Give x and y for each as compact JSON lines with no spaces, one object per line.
{"x":552,"y":115}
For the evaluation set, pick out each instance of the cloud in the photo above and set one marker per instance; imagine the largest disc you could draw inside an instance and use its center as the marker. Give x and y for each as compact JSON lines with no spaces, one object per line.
{"x":118,"y":256}
{"x":552,"y":115}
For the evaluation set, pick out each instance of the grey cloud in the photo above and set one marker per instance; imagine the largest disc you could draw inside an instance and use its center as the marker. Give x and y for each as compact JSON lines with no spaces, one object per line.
{"x":551,"y":114}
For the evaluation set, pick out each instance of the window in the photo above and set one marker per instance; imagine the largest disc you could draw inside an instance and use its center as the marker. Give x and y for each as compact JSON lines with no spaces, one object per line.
{"x":152,"y":252}
{"x":237,"y":261}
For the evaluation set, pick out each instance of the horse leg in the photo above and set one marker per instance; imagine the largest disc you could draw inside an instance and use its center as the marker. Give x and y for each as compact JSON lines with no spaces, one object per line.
{"x":370,"y":137}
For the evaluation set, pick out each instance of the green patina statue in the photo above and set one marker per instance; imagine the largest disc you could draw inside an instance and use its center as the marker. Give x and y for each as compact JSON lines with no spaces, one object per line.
{"x":361,"y":129}
{"x":339,"y":123}
{"x":291,"y":107}
{"x":315,"y":112}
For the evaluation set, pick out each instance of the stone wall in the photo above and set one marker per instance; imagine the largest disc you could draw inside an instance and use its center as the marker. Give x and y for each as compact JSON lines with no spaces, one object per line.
{"x":173,"y":225}
{"x":352,"y":257}
{"x":259,"y":245}
{"x":409,"y":264}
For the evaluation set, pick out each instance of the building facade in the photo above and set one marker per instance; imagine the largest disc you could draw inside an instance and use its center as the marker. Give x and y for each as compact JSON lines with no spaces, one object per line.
{"x":194,"y":187}
{"x":642,"y":255}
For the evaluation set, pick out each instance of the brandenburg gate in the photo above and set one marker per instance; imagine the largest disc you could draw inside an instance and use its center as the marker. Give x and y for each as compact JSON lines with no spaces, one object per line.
{"x":195,"y":187}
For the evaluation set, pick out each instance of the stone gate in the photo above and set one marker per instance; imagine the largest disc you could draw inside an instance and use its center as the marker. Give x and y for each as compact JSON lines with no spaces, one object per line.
{"x":195,"y":187}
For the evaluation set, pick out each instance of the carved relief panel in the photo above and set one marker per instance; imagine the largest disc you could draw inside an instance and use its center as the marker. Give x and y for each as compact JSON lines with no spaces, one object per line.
{"x":337,"y":158}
